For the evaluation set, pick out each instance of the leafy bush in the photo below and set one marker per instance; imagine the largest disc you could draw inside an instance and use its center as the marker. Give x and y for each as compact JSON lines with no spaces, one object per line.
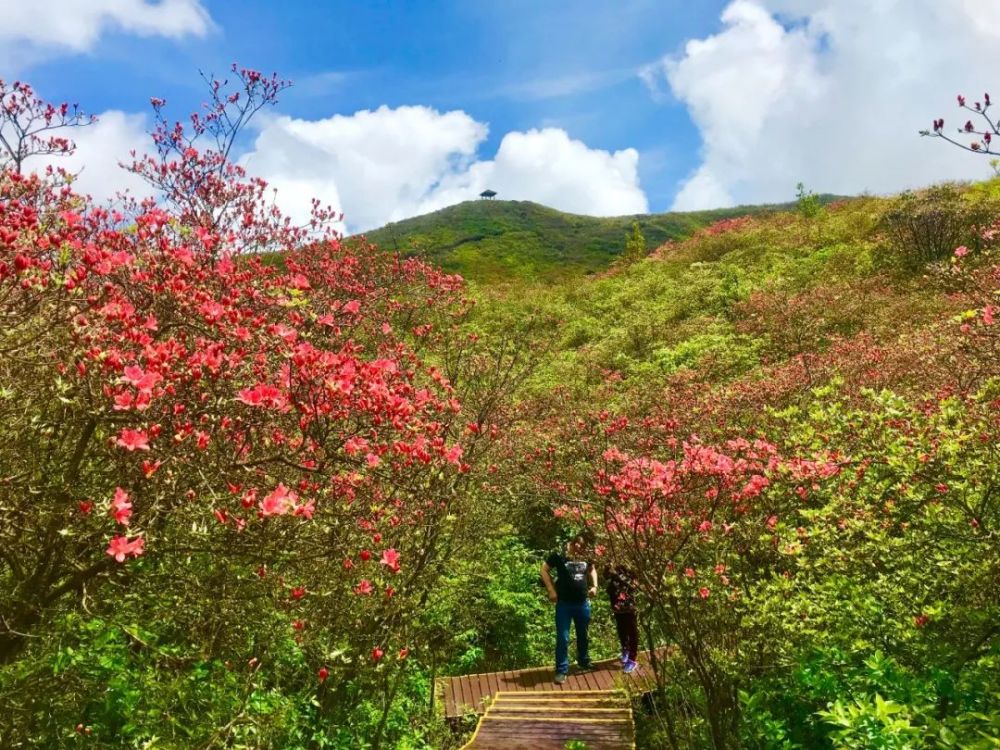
{"x":926,"y":227}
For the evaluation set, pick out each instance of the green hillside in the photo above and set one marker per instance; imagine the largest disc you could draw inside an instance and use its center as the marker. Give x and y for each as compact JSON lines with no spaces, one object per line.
{"x":495,"y":241}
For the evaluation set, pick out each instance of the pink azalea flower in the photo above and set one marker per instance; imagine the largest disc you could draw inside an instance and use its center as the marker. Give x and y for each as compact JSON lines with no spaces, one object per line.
{"x":123,"y":401}
{"x":390,"y":558}
{"x":355,"y":445}
{"x":305,"y":510}
{"x":454,"y":454}
{"x":120,"y":547}
{"x":133,"y":440}
{"x":262,"y":395}
{"x":121,"y":506}
{"x":278,"y":503}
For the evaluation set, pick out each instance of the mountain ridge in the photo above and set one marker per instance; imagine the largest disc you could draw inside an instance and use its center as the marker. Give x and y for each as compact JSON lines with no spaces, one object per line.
{"x":493,"y":241}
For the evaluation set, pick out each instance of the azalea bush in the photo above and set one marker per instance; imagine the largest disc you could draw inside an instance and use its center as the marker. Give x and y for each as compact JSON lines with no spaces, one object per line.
{"x":887,"y":622}
{"x":831,"y":588}
{"x":262,"y":460}
{"x":812,"y":537}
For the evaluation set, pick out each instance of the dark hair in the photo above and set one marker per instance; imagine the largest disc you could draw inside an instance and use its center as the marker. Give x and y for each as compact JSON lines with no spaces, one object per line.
{"x":584,"y":536}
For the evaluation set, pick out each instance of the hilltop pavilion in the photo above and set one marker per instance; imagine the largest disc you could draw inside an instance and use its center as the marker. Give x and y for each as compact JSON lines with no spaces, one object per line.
{"x":488,"y":194}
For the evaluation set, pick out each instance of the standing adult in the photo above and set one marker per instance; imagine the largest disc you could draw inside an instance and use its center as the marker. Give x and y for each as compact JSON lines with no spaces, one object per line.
{"x":574,"y":585}
{"x":620,"y":585}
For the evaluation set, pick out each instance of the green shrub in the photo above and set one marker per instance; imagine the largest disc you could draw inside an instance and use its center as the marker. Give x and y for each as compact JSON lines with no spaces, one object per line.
{"x":926,"y":227}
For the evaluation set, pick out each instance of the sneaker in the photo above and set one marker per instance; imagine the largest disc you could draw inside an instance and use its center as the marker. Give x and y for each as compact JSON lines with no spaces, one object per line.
{"x":623,"y":657}
{"x":587,"y":665}
{"x":560,"y":678}
{"x":630,"y":666}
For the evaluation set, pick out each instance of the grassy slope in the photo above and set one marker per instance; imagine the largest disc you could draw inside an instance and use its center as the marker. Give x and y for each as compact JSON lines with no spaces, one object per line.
{"x":491,"y":242}
{"x":683,"y":306}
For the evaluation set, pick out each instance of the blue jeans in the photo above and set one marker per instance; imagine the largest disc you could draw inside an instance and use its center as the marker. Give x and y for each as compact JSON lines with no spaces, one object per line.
{"x":579,"y":615}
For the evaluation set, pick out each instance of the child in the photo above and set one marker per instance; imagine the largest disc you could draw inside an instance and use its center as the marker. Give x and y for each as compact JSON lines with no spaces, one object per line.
{"x":621,"y":593}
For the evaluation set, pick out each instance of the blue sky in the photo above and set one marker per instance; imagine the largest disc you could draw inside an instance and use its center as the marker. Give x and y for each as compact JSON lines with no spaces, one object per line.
{"x":708,"y":123}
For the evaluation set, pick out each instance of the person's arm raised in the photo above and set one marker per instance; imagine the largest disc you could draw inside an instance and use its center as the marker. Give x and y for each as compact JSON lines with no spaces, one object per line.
{"x":547,"y":580}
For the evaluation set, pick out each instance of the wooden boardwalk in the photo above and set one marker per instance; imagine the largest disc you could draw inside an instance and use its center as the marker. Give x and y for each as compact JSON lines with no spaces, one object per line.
{"x":548,"y":720}
{"x":471,"y":693}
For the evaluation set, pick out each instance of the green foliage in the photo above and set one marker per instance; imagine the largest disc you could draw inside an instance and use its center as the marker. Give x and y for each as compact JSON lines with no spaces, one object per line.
{"x":502,"y":242}
{"x":806,"y":202}
{"x":925,"y":227}
{"x":630,"y":319}
{"x":635,"y":245}
{"x":825,"y":648}
{"x":724,"y":353}
{"x":491,"y":612}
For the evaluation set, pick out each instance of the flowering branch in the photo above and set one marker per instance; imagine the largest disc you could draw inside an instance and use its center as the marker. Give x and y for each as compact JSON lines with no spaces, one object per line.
{"x":28,"y":124}
{"x":979,"y":110}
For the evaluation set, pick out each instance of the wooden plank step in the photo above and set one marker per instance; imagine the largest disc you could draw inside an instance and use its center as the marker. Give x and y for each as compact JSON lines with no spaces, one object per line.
{"x":562,"y":713}
{"x":604,"y":696}
{"x":469,"y":693}
{"x":601,"y":719}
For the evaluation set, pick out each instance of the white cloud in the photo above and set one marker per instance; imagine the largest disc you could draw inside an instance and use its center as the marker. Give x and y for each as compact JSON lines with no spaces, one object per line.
{"x":100,"y":148}
{"x":388,"y":164}
{"x":373,"y":165}
{"x":385,"y":165}
{"x":829,"y":92}
{"x":548,"y":167}
{"x":32,"y":30}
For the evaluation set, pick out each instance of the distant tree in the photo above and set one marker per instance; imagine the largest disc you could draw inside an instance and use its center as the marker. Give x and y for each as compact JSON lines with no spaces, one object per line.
{"x":635,"y":245}
{"x":807,"y":202}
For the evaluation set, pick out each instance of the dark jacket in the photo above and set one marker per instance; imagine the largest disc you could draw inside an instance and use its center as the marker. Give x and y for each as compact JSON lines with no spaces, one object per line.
{"x":619,"y":582}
